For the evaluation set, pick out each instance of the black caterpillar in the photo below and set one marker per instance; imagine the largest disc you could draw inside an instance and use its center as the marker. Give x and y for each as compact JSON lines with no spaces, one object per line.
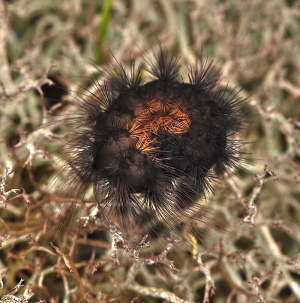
{"x":151,"y":148}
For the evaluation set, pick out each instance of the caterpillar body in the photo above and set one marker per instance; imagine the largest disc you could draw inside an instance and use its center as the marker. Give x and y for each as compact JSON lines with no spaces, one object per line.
{"x":150,"y":149}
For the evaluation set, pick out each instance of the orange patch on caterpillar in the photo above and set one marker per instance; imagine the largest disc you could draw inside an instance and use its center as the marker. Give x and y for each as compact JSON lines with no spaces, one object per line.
{"x":155,"y":115}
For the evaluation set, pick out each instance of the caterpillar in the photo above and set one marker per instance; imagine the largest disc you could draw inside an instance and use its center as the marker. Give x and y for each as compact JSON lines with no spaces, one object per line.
{"x":151,"y":148}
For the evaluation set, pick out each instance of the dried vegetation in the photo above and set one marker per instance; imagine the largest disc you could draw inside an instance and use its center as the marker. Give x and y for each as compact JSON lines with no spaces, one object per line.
{"x":55,"y":246}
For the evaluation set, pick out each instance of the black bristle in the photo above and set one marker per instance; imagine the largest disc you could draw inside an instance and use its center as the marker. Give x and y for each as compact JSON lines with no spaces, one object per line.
{"x":149,"y":148}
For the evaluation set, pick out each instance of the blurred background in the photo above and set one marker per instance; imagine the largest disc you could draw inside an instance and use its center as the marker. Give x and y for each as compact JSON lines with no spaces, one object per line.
{"x":49,"y":51}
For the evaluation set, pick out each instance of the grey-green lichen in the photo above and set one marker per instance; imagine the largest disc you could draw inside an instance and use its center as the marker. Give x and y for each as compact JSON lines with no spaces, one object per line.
{"x":62,"y":252}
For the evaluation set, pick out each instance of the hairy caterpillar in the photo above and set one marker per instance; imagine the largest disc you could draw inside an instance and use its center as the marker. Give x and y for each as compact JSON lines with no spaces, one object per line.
{"x":150,"y":149}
